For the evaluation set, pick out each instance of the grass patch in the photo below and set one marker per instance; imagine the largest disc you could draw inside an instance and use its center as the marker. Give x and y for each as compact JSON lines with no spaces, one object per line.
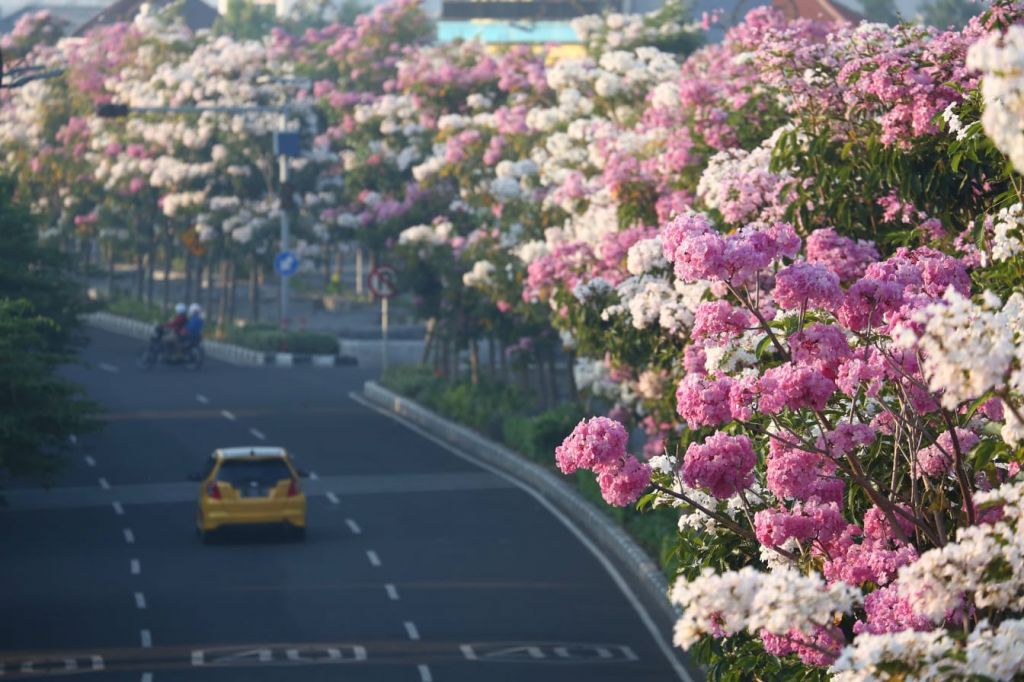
{"x":505,"y":414}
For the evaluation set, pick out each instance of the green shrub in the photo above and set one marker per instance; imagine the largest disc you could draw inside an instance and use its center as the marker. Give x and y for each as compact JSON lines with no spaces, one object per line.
{"x":271,"y":339}
{"x":415,"y":382}
{"x":137,"y":310}
{"x":538,"y":436}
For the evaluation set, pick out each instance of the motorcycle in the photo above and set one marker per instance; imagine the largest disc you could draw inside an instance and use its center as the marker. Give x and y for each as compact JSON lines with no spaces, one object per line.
{"x":189,"y":355}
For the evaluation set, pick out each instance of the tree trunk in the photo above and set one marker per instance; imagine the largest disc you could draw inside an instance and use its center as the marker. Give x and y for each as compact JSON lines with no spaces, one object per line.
{"x":222,"y":308}
{"x":110,"y":271}
{"x":490,"y":356}
{"x":474,"y":362}
{"x":188,"y":277}
{"x":259,"y":290}
{"x":233,"y":286}
{"x":168,"y":257}
{"x":545,"y":389}
{"x":428,"y":339}
{"x":150,"y":268}
{"x":359,"y":272}
{"x":253,"y":290}
{"x":570,"y":359}
{"x":140,"y":274}
{"x":553,"y":373}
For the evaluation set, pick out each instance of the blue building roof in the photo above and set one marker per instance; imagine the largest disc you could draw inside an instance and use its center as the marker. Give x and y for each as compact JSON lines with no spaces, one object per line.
{"x":491,"y":31}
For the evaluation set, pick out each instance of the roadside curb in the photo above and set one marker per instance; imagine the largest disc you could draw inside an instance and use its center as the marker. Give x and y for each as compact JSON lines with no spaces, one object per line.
{"x":226,"y":352}
{"x":602,"y":531}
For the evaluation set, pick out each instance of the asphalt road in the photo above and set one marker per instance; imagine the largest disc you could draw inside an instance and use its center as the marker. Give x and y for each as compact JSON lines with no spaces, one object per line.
{"x":418,"y":565}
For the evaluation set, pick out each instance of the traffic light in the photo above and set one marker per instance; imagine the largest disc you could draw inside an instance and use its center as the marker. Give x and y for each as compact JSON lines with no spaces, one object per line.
{"x":112,"y":110}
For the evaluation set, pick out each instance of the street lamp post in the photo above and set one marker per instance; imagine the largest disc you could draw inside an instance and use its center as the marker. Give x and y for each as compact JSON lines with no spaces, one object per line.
{"x":285,"y":144}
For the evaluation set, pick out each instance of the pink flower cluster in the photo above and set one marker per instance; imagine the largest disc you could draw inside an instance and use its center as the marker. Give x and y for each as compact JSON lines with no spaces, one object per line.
{"x":723,"y":465}
{"x":599,"y":445}
{"x":719,"y":319}
{"x":937,"y":459}
{"x":794,"y":387}
{"x":703,"y":401}
{"x":699,"y":252}
{"x":847,"y":258}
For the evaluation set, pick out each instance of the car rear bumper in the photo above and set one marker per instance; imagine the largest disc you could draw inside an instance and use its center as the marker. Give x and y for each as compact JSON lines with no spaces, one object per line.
{"x":232,"y":515}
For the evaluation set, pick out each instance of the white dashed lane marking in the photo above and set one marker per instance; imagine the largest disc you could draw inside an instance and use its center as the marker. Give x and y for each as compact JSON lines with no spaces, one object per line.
{"x":333,"y":498}
{"x":372,"y":556}
{"x":146,"y":677}
{"x":107,"y":367}
{"x":104,"y":484}
{"x":202,"y":399}
{"x":425,"y":675}
{"x":228,"y":415}
{"x":313,"y":476}
{"x":257,"y":434}
{"x":136,"y":567}
{"x":392,"y":592}
{"x":90,"y":461}
{"x":353,"y":526}
{"x":410,"y":629}
{"x":118,"y":509}
{"x":129,"y":536}
{"x":146,"y":638}
{"x":140,"y":600}
{"x":468,"y":652}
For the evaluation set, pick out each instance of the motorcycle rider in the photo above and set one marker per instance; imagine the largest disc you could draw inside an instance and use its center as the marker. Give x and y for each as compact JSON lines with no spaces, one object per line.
{"x":194,"y":326}
{"x":177,"y":326}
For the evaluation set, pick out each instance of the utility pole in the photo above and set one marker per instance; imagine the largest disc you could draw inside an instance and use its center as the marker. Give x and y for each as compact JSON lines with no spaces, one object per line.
{"x":285,"y":201}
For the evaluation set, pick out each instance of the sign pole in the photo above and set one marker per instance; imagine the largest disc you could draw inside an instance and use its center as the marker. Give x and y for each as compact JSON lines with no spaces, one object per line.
{"x":384,"y":334}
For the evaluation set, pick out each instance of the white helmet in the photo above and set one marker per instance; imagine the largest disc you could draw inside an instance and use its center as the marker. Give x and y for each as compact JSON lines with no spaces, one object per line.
{"x":195,"y":309}
{"x":180,"y":308}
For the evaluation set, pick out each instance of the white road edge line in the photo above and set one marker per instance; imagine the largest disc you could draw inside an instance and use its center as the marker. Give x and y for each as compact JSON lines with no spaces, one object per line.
{"x":410,"y":629}
{"x":425,"y":675}
{"x":90,"y":461}
{"x":392,"y":592}
{"x":333,"y":498}
{"x":118,"y":509}
{"x":147,"y":638}
{"x":202,"y":399}
{"x":140,"y":600}
{"x":228,"y":415}
{"x":372,"y":556}
{"x":104,"y":483}
{"x":129,"y":536}
{"x":257,"y":434}
{"x":354,"y":527}
{"x":136,"y":567}
{"x":613,"y":572}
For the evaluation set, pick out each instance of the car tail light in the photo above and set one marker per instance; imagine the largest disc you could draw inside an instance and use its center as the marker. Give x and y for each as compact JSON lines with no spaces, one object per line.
{"x":213,"y":490}
{"x":293,"y":488}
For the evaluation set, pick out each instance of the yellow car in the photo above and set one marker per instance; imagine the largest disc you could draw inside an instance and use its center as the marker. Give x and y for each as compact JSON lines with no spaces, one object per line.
{"x":250,"y":486}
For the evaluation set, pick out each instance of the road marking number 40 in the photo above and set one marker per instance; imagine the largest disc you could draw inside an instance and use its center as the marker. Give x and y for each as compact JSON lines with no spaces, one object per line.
{"x":549,"y":652}
{"x":281,"y":655}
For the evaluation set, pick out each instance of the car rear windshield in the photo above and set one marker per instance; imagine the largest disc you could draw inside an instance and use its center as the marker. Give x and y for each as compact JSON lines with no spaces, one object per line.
{"x":265,"y":472}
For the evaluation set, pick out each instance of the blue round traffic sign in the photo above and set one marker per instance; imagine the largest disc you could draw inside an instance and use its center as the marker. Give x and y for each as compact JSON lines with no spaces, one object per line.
{"x":286,"y":263}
